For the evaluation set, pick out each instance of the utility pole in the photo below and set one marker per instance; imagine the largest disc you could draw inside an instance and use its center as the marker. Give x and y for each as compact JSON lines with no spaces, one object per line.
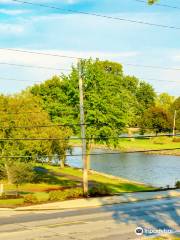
{"x":174,"y":123}
{"x":83,"y":133}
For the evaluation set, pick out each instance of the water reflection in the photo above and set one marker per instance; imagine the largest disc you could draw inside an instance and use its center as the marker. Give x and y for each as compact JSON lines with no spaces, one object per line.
{"x":157,"y":170}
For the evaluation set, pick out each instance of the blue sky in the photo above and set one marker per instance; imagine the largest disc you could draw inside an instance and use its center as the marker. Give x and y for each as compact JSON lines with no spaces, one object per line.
{"x":47,"y":30}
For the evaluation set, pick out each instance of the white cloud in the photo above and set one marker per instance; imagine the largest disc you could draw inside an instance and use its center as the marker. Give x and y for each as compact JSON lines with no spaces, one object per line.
{"x":25,"y":58}
{"x":13,"y":12}
{"x":176,"y":58}
{"x":6,"y":28}
{"x":35,"y":74}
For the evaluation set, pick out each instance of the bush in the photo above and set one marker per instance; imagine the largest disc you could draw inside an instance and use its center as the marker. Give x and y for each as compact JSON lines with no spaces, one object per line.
{"x":177,"y":184}
{"x":176,"y":139}
{"x":65,"y":194}
{"x":99,"y":190}
{"x":20,"y":172}
{"x":30,"y":198}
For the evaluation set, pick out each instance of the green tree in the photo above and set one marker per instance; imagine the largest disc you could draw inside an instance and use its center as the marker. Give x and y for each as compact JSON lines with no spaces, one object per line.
{"x":164,"y":100}
{"x":109,"y":103}
{"x":158,"y":119}
{"x":176,"y":106}
{"x":19,"y":172}
{"x":145,"y":96}
{"x":111,"y":100}
{"x":23,"y":110}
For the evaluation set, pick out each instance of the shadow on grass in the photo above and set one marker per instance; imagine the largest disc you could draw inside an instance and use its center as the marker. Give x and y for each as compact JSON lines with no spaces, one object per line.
{"x":121,"y":187}
{"x":42,"y":175}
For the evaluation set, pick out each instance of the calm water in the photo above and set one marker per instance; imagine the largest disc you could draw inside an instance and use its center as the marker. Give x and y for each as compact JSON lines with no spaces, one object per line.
{"x":157,"y":170}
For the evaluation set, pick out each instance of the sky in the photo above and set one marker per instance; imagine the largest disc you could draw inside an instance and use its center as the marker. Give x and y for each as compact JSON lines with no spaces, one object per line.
{"x":33,"y":28}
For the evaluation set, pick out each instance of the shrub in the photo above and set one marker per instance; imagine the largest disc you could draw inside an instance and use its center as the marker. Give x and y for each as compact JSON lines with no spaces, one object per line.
{"x":20,"y":172}
{"x":65,"y":194}
{"x":176,"y":139}
{"x":30,"y":198}
{"x":99,"y":190}
{"x":177,"y":184}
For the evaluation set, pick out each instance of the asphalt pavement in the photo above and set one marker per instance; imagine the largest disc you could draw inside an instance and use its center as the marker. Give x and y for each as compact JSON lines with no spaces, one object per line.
{"x":109,"y":222}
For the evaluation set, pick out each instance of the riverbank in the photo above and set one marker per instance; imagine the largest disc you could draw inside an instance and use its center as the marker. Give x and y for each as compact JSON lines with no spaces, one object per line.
{"x":54,"y":179}
{"x":137,"y":144}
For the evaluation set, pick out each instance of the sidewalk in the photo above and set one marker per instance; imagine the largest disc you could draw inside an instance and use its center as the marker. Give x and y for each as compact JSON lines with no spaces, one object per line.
{"x":101,"y":201}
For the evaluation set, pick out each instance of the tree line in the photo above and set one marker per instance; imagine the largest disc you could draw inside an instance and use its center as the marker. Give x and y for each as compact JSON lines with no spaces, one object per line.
{"x":113,"y":101}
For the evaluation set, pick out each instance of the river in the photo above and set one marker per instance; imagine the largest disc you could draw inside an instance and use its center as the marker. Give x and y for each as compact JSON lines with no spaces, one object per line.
{"x":156,"y":170}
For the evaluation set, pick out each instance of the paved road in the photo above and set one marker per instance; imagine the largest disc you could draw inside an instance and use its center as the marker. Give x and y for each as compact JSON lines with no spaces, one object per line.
{"x":113,"y":222}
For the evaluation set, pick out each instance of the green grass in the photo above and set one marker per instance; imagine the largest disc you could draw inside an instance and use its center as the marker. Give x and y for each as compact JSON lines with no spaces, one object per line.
{"x":67,"y":170}
{"x":115,"y":185}
{"x":49,"y":181}
{"x":11,"y":202}
{"x":143,"y":144}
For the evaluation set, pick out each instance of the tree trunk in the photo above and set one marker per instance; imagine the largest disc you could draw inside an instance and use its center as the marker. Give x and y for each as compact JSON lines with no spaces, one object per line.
{"x":8,"y":173}
{"x":62,"y":162}
{"x":49,"y":160}
{"x":89,"y":148}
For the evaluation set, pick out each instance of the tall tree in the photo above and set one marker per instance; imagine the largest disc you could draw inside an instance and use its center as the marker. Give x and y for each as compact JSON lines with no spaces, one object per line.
{"x":165,"y":101}
{"x":21,"y":116}
{"x":176,"y":107}
{"x":158,"y":119}
{"x":109,"y":102}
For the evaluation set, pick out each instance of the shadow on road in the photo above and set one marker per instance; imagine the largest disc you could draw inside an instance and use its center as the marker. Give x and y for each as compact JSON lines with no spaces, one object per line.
{"x":155,"y":216}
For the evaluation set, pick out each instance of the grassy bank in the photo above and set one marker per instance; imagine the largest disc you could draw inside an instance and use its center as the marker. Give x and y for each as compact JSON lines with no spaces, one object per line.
{"x":137,"y":144}
{"x":56,"y":179}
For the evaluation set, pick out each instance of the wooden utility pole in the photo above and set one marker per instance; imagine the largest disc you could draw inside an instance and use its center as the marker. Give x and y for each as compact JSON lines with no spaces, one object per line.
{"x":83,"y":133}
{"x":1,"y":189}
{"x":174,"y":124}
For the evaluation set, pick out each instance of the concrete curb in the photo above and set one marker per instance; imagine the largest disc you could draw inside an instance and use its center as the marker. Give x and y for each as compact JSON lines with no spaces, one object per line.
{"x":100,"y":201}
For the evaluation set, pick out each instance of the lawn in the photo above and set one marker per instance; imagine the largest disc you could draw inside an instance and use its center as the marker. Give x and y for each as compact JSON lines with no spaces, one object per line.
{"x":140,"y":144}
{"x":53,"y":178}
{"x":116,"y":185}
{"x":144,"y":144}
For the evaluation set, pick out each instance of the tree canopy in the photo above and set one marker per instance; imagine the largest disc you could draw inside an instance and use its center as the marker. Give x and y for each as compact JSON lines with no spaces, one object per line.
{"x":21,"y":116}
{"x":112,"y":100}
{"x":158,"y":119}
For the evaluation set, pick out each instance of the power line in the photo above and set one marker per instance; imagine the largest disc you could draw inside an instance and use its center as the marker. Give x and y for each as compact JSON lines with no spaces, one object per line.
{"x":142,"y":78}
{"x":147,"y":79}
{"x":33,"y":66}
{"x":94,"y":154}
{"x":65,"y":56}
{"x":98,"y":15}
{"x":159,"y":80}
{"x":159,"y":4}
{"x":47,"y":126}
{"x":90,"y":138}
{"x":18,"y":80}
{"x":21,"y":113}
{"x":38,"y":53}
{"x":151,"y":66}
{"x":65,"y":125}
